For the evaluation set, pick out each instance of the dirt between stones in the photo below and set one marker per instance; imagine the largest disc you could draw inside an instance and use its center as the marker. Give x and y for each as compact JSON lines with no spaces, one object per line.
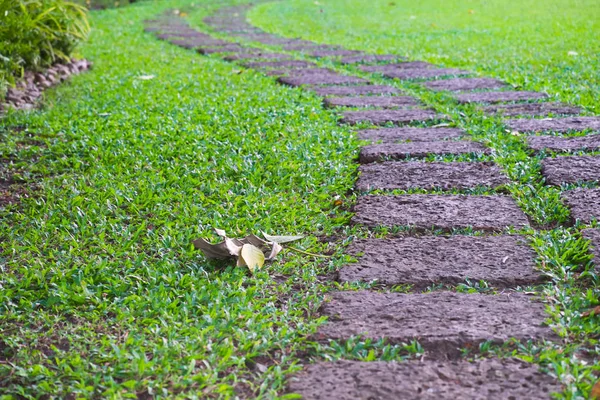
{"x":502,"y":261}
{"x":443,"y":322}
{"x":398,"y":151}
{"x":371,"y":101}
{"x":382,"y":117}
{"x":584,"y":204}
{"x":533,"y":109}
{"x":353,"y":90}
{"x":465,"y":84}
{"x":558,"y":143}
{"x":571,"y":169}
{"x":424,"y":380}
{"x":499,"y":97}
{"x":424,"y":73}
{"x":445,"y":212}
{"x":429,"y":175}
{"x":396,"y":135}
{"x":594,"y":236}
{"x":559,"y":125}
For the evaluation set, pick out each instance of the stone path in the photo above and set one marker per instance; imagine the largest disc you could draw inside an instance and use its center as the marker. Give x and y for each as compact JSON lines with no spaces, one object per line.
{"x":443,"y":322}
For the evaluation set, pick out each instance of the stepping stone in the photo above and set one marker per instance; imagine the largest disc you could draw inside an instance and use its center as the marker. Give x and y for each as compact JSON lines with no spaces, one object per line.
{"x":559,"y":125}
{"x":502,"y":261}
{"x":306,"y":47}
{"x":499,"y":97}
{"x":354,"y":90}
{"x":233,"y":48}
{"x":371,"y":101}
{"x":280,"y":64}
{"x":382,"y":117}
{"x":429,"y":175}
{"x":445,"y":212}
{"x":398,"y":151}
{"x":571,"y":169}
{"x":424,"y":380}
{"x":465,"y":84}
{"x":396,"y":67}
{"x":594,"y":236}
{"x":424,"y":73}
{"x":300,"y":78}
{"x":560,"y":143}
{"x":442,"y":322}
{"x":367,"y":58}
{"x":584,"y":204}
{"x":333,"y":53}
{"x":256,"y":55}
{"x":396,"y":135}
{"x":533,"y":109}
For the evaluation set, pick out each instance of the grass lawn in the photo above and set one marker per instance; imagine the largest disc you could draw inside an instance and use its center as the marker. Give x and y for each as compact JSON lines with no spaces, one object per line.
{"x":101,"y":292}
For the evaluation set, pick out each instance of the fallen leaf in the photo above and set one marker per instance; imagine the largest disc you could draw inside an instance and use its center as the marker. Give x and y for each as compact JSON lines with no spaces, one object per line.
{"x":595,"y":393}
{"x":146,"y":77}
{"x":220,"y":232}
{"x":595,"y":311}
{"x":251,"y":256}
{"x":282,"y":239}
{"x":573,"y":53}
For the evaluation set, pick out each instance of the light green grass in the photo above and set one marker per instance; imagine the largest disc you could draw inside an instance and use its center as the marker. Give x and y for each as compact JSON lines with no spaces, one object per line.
{"x":527,"y":43}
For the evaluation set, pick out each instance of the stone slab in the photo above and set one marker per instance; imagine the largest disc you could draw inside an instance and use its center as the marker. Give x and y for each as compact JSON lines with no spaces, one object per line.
{"x":584,"y":204}
{"x":555,"y":124}
{"x":571,"y":169}
{"x":396,"y":66}
{"x":442,"y":322}
{"x":533,"y":109}
{"x":398,"y":151}
{"x":397,"y":135}
{"x":371,"y":101}
{"x":502,"y":261}
{"x":256,"y":55}
{"x":300,"y":79}
{"x":560,"y":143}
{"x":382,"y":117}
{"x":369,"y":58}
{"x":593,"y":235}
{"x":280,"y":64}
{"x":233,"y":48}
{"x":499,"y":97}
{"x":465,"y":84}
{"x":358,"y":90}
{"x":483,"y":379}
{"x":307,"y":47}
{"x":445,"y":212}
{"x":332,"y":53}
{"x":392,"y":175}
{"x":424,"y":73}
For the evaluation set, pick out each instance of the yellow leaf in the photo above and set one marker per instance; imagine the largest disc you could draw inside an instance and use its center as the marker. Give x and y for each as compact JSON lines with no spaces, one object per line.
{"x":252,"y":257}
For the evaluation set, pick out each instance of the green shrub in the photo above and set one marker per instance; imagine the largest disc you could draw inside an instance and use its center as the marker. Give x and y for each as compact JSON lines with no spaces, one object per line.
{"x":102,"y":4}
{"x":36,"y":33}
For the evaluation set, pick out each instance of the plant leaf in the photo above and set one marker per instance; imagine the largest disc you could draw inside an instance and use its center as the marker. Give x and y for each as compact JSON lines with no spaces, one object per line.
{"x":219,"y":250}
{"x":251,"y":256}
{"x":282,"y":239}
{"x":274,"y":251}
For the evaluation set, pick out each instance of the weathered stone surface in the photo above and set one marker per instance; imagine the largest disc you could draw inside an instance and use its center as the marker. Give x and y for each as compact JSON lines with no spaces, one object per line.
{"x":583,"y":203}
{"x":484,"y":379}
{"x":424,"y":73}
{"x":442,"y":322}
{"x":502,"y":261}
{"x":555,"y":124}
{"x":307,"y":47}
{"x":398,"y":151}
{"x":396,"y":67}
{"x":367,"y":58}
{"x":228,"y":48}
{"x":300,"y":78}
{"x":371,"y":101}
{"x":594,"y":236}
{"x":499,"y":97}
{"x":256,"y":55}
{"x":571,"y":169}
{"x":358,"y":90}
{"x":464,"y":84}
{"x":445,"y":212}
{"x":280,"y":64}
{"x":429,"y":175}
{"x":558,"y":143}
{"x":333,"y":53}
{"x":397,"y":135}
{"x":533,"y":109}
{"x":382,"y":117}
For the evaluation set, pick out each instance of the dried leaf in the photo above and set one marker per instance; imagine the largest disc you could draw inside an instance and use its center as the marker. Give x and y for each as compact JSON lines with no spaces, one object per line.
{"x":595,"y":393}
{"x":146,"y":77}
{"x":219,"y":250}
{"x":274,"y":251}
{"x":220,"y":232}
{"x":252,"y":257}
{"x":282,"y":239}
{"x":595,"y":311}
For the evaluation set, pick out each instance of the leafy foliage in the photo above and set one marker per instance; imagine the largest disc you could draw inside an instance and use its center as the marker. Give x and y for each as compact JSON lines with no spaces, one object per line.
{"x":36,"y":33}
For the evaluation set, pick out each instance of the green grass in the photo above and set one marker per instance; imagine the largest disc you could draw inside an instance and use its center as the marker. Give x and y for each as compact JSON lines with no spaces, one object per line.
{"x":101,"y":292}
